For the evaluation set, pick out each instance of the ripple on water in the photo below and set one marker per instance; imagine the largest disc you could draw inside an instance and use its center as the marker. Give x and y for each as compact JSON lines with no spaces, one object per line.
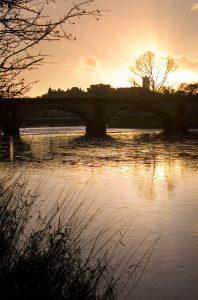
{"x":154,"y":176}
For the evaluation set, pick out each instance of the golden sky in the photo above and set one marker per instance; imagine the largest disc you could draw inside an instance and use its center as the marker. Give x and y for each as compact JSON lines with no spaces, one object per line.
{"x":105,"y":49}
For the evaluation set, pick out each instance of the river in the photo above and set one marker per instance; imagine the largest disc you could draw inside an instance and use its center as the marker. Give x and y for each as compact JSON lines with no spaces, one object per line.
{"x":137,"y":173}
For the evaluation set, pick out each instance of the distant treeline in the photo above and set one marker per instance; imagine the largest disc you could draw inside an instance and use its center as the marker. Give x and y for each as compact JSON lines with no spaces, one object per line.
{"x":106,"y":90}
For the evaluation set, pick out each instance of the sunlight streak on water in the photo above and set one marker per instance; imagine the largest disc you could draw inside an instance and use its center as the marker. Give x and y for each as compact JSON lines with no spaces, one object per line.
{"x":136,"y":173}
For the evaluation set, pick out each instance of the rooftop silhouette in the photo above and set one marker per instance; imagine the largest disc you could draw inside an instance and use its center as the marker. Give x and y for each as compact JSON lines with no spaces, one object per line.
{"x":99,"y":90}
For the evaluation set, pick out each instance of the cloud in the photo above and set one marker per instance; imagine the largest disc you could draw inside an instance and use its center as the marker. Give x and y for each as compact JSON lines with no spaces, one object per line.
{"x":90,"y":62}
{"x":194,"y":6}
{"x":187,"y":63}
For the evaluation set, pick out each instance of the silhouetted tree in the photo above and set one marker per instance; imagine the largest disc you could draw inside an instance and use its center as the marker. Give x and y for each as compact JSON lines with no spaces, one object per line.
{"x":156,"y":69}
{"x":168,"y":90}
{"x":188,"y":89}
{"x":23,"y":25}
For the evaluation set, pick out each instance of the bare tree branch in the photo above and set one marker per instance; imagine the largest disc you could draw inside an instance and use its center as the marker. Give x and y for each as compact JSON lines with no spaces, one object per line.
{"x":23,"y":25}
{"x":155,"y":69}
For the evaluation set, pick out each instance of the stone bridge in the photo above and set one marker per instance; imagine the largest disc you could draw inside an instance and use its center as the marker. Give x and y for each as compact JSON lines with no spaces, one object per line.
{"x":95,"y":112}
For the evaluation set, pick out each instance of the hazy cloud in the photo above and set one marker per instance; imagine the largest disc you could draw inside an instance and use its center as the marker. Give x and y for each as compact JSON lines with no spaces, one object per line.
{"x":194,"y":6}
{"x":90,"y":62}
{"x":184,"y":62}
{"x":68,"y":64}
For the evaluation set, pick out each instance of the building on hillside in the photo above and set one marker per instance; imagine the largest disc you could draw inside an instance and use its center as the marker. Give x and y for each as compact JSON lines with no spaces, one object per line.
{"x":101,"y":90}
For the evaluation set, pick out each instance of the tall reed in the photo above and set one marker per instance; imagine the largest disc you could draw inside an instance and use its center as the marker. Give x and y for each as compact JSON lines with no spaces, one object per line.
{"x":55,"y":256}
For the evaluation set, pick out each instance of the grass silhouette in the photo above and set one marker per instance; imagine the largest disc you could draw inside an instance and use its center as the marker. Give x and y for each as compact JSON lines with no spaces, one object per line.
{"x":57,"y":258}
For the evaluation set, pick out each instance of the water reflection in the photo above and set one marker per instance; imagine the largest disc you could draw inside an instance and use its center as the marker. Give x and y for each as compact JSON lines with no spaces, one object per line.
{"x":154,"y":161}
{"x":14,"y":149}
{"x":146,"y":175}
{"x":128,"y":148}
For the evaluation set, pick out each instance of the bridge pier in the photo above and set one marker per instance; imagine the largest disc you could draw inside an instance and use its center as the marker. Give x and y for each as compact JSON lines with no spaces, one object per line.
{"x":176,"y":125}
{"x":11,"y":128}
{"x":96,"y":128}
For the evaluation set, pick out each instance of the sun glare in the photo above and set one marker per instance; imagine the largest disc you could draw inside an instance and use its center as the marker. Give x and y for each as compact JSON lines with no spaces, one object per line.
{"x":119,"y":78}
{"x":160,"y":172}
{"x":151,"y":46}
{"x":183,"y":76}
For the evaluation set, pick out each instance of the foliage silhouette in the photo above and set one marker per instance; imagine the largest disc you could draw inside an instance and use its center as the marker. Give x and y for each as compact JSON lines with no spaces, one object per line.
{"x":56,"y":258}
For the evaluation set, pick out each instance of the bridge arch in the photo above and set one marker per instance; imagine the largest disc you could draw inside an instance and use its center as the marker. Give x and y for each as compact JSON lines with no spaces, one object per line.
{"x":138,"y":117}
{"x":96,"y":112}
{"x":52,"y":116}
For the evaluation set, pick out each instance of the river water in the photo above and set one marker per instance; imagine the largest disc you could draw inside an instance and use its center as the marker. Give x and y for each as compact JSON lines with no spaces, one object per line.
{"x":137,"y":173}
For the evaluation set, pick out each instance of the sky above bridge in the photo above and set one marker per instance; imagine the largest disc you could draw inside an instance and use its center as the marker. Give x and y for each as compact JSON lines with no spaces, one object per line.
{"x":105,"y":49}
